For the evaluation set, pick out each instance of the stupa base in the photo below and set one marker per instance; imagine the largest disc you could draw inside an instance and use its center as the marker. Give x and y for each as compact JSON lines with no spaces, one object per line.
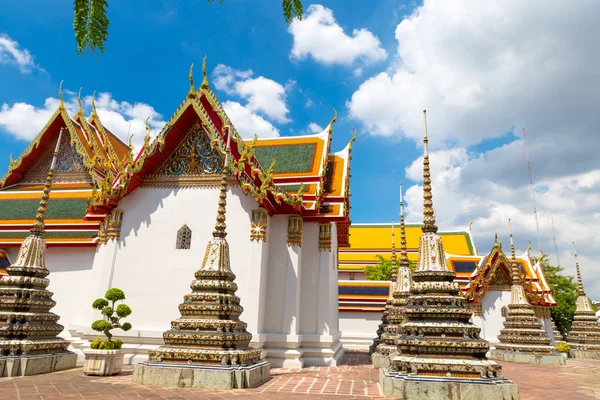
{"x":527,"y":358}
{"x":38,"y":364}
{"x":585,"y":354}
{"x":407,"y":387}
{"x":380,"y":360}
{"x":224,"y":377}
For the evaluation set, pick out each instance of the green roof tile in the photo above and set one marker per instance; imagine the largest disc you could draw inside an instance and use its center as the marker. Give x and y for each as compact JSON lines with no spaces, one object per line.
{"x":57,"y":208}
{"x":292,"y":158}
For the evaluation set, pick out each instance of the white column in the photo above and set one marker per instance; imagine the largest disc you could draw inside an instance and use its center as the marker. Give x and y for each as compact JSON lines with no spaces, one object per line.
{"x":258,"y":258}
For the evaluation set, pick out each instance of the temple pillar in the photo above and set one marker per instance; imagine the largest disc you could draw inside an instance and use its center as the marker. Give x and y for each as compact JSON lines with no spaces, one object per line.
{"x":258,"y":258}
{"x":283,"y":341}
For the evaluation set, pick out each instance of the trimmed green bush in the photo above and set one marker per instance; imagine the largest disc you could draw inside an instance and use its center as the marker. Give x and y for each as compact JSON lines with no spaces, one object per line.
{"x":111,"y":319}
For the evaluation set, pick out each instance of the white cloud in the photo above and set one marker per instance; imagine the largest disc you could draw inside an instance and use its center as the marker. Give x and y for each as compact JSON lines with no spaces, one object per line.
{"x":263,"y":96}
{"x":11,"y":54}
{"x":309,"y":103}
{"x":318,"y":35}
{"x":25,"y":121}
{"x":485,"y":69}
{"x":248,"y":123}
{"x":314,"y":128}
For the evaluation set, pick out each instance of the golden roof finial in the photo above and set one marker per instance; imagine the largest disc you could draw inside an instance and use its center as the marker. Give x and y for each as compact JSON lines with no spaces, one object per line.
{"x":94,"y":104}
{"x":330,"y":126}
{"x":528,"y":247}
{"x":580,"y":291}
{"x":495,"y":239}
{"x":192,"y":92}
{"x":79,"y":101}
{"x":204,"y":84}
{"x":131,"y":147}
{"x":38,"y":226}
{"x":60,"y":96}
{"x":428,"y":213}
{"x":220,"y":226}
{"x":403,"y":253}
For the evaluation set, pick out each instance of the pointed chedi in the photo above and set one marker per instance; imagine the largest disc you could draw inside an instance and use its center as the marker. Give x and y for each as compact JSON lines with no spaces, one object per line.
{"x":584,"y":336}
{"x":439,"y":348}
{"x":209,"y":337}
{"x":523,"y":338}
{"x":28,"y":330}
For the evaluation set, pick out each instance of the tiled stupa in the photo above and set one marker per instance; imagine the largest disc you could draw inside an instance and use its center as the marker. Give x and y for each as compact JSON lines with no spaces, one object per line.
{"x":440,"y":352}
{"x":209,"y":345}
{"x":28,"y":330}
{"x":558,"y":337}
{"x":584,"y":336}
{"x":523,"y":338}
{"x":399,"y":292}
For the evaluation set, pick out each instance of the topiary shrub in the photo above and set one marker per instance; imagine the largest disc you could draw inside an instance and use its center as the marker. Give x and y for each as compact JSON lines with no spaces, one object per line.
{"x":112,"y":319}
{"x":563,"y":347}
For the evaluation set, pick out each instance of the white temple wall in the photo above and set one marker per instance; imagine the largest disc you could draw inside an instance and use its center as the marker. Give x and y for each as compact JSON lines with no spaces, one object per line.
{"x":311,"y":265}
{"x":491,"y":306}
{"x":358,"y":329}
{"x":154,"y":275}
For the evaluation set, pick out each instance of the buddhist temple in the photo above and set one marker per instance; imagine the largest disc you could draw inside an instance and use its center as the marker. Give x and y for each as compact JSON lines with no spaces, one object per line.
{"x":135,"y":218}
{"x":209,"y":333}
{"x":584,"y":336}
{"x":523,"y":339}
{"x":438,"y":347}
{"x":28,"y":330}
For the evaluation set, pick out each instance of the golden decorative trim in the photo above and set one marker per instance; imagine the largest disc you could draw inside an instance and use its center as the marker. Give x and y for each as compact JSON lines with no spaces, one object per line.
{"x":294,"y":231}
{"x":325,"y":236}
{"x":258,"y":228}
{"x":352,"y":276}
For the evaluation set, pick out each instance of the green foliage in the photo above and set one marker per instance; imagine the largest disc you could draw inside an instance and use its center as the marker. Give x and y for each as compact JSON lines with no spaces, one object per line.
{"x":99,"y":304}
{"x":381,"y":271}
{"x":114,"y":294}
{"x":564,"y":291}
{"x":563,"y":347}
{"x":90,"y":22}
{"x":100,"y":344}
{"x":123,"y":310}
{"x":111,"y":321}
{"x":101,"y":325}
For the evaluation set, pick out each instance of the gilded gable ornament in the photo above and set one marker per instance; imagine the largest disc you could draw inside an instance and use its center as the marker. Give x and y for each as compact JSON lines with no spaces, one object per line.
{"x":258,"y":227}
{"x":325,"y":236}
{"x":68,"y":161}
{"x":294,"y":231}
{"x":194,"y":156}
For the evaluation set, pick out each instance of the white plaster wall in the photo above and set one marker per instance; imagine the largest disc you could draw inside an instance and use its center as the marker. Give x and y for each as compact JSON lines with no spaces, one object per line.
{"x":311,"y":265}
{"x":70,"y":280}
{"x":359,"y":328}
{"x":154,"y":275}
{"x":491,"y":305}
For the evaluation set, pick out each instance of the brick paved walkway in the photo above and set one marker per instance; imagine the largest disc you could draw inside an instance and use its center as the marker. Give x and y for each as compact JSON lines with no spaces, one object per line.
{"x":353,"y":379}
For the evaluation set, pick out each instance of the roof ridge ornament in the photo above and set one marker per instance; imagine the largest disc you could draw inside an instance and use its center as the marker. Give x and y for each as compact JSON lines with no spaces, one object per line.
{"x":192,"y":92}
{"x":94,"y":111}
{"x":330,"y":126}
{"x":204,"y":84}
{"x":80,"y":110}
{"x":428,"y":212}
{"x":580,"y":291}
{"x":60,"y":96}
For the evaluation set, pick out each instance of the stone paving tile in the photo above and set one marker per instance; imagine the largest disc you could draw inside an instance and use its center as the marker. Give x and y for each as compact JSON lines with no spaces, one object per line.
{"x":354,"y":378}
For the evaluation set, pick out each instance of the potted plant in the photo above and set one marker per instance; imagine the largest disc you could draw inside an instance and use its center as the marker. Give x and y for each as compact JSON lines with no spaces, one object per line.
{"x":563,"y":348}
{"x":105,"y":357}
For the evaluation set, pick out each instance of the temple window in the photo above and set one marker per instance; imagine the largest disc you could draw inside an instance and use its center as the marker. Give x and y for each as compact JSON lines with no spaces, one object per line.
{"x":504,"y":312}
{"x":184,"y":238}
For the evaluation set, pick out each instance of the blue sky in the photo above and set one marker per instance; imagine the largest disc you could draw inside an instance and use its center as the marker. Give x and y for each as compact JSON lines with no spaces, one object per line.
{"x":484,"y":71}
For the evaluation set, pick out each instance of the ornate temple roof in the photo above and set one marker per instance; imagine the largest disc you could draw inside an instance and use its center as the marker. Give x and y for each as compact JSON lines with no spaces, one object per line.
{"x":306,"y":178}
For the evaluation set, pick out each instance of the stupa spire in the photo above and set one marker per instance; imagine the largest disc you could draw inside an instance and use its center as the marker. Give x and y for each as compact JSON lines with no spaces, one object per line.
{"x":394,"y":266}
{"x":580,"y":291}
{"x":514,"y":264}
{"x":428,"y":212}
{"x":220,"y":226}
{"x":403,"y":252}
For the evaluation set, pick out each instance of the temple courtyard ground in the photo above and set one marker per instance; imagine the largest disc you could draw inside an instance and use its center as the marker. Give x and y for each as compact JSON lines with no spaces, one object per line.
{"x":353,"y":379}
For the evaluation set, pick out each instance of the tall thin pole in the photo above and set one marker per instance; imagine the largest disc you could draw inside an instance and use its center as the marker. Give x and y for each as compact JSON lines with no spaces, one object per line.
{"x":554,"y":238}
{"x":537,"y":224}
